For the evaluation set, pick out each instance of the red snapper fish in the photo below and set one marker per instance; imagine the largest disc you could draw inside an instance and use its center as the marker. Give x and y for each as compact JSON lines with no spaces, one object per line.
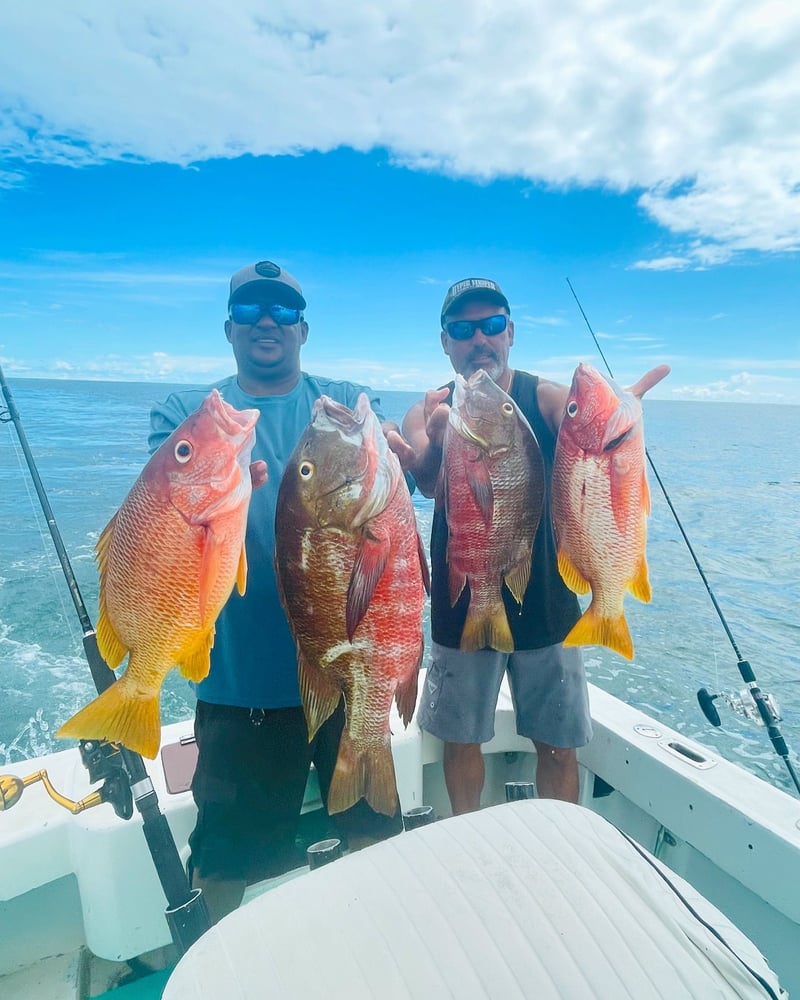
{"x":352,"y":576}
{"x":492,"y":488}
{"x":600,"y":503}
{"x":168,"y":561}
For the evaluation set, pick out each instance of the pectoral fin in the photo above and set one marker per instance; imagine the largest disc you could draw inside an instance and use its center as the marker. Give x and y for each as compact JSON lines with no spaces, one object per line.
{"x":369,"y":564}
{"x":241,"y":572}
{"x":480,"y":484}
{"x":210,"y":566}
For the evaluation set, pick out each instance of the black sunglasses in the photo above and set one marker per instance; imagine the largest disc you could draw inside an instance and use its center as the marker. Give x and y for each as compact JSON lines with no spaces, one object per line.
{"x":249,"y":313}
{"x":463,"y":329}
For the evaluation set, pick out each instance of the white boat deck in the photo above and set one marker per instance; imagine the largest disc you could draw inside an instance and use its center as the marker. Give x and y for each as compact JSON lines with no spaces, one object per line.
{"x":88,"y":882}
{"x":536,"y":899}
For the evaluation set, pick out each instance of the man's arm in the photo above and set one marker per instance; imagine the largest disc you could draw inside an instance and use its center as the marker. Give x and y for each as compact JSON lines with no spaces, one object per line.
{"x":419,"y":448}
{"x":552,"y":398}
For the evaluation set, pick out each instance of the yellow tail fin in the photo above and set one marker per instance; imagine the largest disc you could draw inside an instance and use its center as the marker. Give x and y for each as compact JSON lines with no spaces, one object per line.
{"x":120,"y":716}
{"x":488,"y":629}
{"x":368,"y":775}
{"x":593,"y":629}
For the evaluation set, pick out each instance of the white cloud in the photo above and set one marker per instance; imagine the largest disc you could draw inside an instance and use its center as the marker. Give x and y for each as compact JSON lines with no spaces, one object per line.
{"x":526,"y":320}
{"x":693,"y":105}
{"x":433,"y":370}
{"x":157,"y":366}
{"x":160,"y":366}
{"x":125,"y":275}
{"x":743,"y":387}
{"x":762,"y":364}
{"x":662,"y":264}
{"x":12,"y":179}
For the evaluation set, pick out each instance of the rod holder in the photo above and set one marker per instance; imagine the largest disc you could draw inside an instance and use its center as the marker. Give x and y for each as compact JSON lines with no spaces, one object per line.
{"x":518,"y":790}
{"x":189,"y":921}
{"x":323,"y":852}
{"x":421,"y":816}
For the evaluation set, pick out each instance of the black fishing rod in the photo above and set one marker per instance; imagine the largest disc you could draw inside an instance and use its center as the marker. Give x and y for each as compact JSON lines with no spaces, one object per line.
{"x":762,"y":701}
{"x":186,"y":914}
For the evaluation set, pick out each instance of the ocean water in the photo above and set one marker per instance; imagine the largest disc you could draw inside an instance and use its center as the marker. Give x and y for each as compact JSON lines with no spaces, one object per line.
{"x":731,"y":471}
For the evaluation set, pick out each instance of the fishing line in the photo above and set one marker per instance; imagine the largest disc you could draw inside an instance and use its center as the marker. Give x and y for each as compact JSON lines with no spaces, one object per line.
{"x":765,"y":710}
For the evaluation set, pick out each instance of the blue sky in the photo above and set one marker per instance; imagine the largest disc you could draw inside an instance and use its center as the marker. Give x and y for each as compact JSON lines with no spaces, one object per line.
{"x":382,"y":152}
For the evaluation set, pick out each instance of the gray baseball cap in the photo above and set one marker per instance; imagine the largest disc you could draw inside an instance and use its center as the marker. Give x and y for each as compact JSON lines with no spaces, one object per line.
{"x":266,"y":280}
{"x":473,"y":288}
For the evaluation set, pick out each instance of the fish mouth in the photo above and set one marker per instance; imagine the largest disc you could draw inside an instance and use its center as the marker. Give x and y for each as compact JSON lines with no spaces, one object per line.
{"x":234,"y":424}
{"x":339,"y":416}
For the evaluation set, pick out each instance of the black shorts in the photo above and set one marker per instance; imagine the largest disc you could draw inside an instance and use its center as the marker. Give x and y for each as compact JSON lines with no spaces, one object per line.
{"x":249,"y":785}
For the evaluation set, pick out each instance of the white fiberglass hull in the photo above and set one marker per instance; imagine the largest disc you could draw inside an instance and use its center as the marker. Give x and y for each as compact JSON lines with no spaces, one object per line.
{"x":87,"y":881}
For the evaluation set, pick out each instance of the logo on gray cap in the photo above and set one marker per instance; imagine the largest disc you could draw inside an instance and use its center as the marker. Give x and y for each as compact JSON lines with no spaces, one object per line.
{"x":267,"y":269}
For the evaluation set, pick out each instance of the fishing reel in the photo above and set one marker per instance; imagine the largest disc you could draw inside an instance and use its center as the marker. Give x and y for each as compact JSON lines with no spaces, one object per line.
{"x":742,"y":703}
{"x":103,"y":761}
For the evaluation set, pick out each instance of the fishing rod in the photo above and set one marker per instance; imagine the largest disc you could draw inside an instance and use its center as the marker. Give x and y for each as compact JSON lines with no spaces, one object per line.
{"x":763,"y":702}
{"x":186,"y":913}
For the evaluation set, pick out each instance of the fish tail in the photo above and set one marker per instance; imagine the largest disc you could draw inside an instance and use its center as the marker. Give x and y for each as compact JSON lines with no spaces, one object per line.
{"x":487,"y":629}
{"x":119,"y":715}
{"x":363,"y":774}
{"x":593,"y":629}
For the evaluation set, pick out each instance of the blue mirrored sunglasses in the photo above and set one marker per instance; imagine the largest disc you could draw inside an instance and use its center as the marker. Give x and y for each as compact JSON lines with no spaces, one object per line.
{"x":463,"y":329}
{"x":248,"y":313}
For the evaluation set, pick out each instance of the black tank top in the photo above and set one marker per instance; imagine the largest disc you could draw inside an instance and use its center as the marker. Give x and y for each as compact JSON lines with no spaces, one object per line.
{"x":549,"y":608}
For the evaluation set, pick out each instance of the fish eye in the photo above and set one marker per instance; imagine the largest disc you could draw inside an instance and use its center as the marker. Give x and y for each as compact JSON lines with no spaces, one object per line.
{"x":306,"y":470}
{"x":183,"y":452}
{"x":572,"y":408}
{"x":507,"y":408}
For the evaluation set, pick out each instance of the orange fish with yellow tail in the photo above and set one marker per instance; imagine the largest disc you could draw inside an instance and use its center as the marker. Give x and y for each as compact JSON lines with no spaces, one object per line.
{"x":352,"y":576}
{"x":168,"y":561}
{"x":600,"y":503}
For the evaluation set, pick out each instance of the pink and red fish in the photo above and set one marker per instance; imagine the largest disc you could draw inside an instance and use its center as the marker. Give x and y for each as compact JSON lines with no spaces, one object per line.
{"x":492,"y":488}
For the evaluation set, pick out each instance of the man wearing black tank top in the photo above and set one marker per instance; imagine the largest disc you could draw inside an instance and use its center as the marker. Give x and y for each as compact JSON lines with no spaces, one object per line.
{"x":547,"y":680}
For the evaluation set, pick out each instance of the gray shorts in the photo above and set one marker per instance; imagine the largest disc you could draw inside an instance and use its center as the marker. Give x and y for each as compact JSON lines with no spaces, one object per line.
{"x":548,"y":689}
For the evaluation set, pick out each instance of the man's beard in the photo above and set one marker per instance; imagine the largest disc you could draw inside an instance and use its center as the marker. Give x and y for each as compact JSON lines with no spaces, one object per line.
{"x":494,"y":368}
